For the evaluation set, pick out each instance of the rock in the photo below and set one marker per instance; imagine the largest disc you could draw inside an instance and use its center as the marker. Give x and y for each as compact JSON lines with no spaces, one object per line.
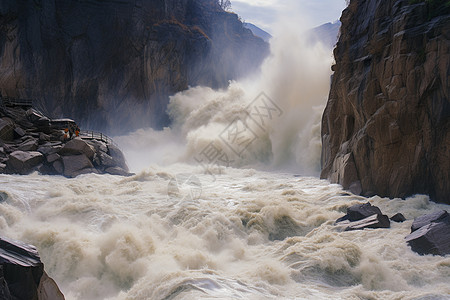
{"x":23,"y":162}
{"x":432,"y":238}
{"x":22,"y":272}
{"x":373,"y":221}
{"x":19,"y":132}
{"x":3,"y":196}
{"x":74,"y":165}
{"x":77,"y":146}
{"x":58,"y":166}
{"x":428,"y":219}
{"x":386,"y":126}
{"x":118,"y":171}
{"x":118,"y":157}
{"x":359,"y":212}
{"x":2,"y":167}
{"x":6,"y":129}
{"x":52,"y":157}
{"x":44,"y":137}
{"x":106,"y":161}
{"x":28,"y":145}
{"x":399,"y":218}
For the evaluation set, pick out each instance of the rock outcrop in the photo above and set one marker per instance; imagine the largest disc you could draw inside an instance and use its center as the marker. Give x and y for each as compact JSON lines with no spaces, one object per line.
{"x":37,"y":145}
{"x":22,"y":274}
{"x":112,"y":64}
{"x":362,"y":216}
{"x":386,"y":127}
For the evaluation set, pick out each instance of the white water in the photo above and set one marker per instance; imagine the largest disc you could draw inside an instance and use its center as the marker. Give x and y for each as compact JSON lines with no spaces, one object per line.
{"x":109,"y":237}
{"x":249,"y":234}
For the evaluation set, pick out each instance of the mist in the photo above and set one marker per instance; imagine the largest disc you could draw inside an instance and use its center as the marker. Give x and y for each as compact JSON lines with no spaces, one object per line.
{"x":294,"y":81}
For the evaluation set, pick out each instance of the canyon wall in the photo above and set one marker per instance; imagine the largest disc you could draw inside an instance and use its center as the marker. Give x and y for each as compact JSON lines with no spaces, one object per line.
{"x":386,"y":126}
{"x":112,"y":64}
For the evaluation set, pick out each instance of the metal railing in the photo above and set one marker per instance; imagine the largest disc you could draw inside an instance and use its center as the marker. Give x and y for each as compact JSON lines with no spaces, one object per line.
{"x":94,"y":135}
{"x":7,"y":101}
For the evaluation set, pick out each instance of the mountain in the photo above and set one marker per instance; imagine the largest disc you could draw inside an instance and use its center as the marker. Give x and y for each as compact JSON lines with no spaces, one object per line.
{"x":111,"y":65}
{"x":258,"y":31}
{"x":326,"y":33}
{"x":386,"y":127}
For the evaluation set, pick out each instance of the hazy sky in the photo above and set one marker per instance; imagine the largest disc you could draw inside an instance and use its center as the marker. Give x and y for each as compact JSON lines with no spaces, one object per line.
{"x":265,"y":13}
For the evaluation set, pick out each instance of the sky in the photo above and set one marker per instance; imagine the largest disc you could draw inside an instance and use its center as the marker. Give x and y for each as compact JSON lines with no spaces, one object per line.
{"x":265,"y":13}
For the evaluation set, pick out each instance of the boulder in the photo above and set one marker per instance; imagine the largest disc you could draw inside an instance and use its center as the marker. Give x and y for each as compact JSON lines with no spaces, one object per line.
{"x":52,"y":157}
{"x":74,"y":164}
{"x":399,"y":218}
{"x":360,"y":211}
{"x":50,"y":148}
{"x":432,"y":238}
{"x":58,"y":166}
{"x":44,"y":137}
{"x":23,"y":162}
{"x":118,"y":156}
{"x":77,"y":146}
{"x":19,"y":132}
{"x":373,"y":221}
{"x":424,"y":220}
{"x":21,"y":272}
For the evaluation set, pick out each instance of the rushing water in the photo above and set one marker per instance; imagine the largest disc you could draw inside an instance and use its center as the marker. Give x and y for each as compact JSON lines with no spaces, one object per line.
{"x":247,"y":235}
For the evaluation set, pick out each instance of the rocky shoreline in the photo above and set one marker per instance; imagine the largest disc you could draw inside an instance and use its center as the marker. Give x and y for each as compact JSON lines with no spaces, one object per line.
{"x":30,"y":141}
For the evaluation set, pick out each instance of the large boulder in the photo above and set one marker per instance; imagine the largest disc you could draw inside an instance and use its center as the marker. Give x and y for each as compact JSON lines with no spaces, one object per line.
{"x":117,"y":156}
{"x":77,"y":146}
{"x":433,"y":235}
{"x":23,"y":162}
{"x":22,"y":274}
{"x":6,"y":129}
{"x":386,"y":126}
{"x":75,"y":164}
{"x":360,"y":211}
{"x":362,"y":216}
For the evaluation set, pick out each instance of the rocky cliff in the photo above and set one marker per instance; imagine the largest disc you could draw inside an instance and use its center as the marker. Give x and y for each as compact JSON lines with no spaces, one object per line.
{"x":112,"y":64}
{"x":386,"y":127}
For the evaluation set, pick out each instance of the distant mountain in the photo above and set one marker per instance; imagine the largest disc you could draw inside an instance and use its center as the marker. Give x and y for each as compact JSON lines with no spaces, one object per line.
{"x":326,"y":33}
{"x":258,"y":31}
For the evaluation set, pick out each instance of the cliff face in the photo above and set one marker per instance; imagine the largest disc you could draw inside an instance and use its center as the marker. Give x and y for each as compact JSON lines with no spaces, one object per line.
{"x":112,"y":64}
{"x":386,"y":127}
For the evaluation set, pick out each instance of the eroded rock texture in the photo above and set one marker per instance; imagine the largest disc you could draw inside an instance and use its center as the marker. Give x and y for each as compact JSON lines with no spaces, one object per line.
{"x":386,"y":127}
{"x":113,"y":64}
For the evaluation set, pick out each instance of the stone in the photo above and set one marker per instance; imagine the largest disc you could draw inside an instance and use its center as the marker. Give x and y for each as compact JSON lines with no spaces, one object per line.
{"x":23,"y":162}
{"x":360,"y":211}
{"x":428,"y":219}
{"x":118,"y":157}
{"x":77,"y":146}
{"x":58,"y":166}
{"x":6,"y":129}
{"x":398,"y":217}
{"x":117,"y":171}
{"x":74,"y":164}
{"x":30,"y":144}
{"x":53,"y":157}
{"x":386,"y":126}
{"x":48,"y":150}
{"x":21,"y":273}
{"x":432,"y":238}
{"x":19,"y":132}
{"x":373,"y":221}
{"x":44,"y":137}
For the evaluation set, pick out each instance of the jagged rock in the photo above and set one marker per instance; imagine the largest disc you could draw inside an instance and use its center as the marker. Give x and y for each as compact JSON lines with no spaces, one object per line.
{"x":428,"y":219}
{"x":44,"y":137}
{"x":399,"y":218}
{"x":373,"y":221}
{"x":58,"y":166}
{"x":117,"y":171}
{"x":23,"y":162}
{"x":433,"y":237}
{"x":74,"y":165}
{"x":77,"y":146}
{"x":22,"y":272}
{"x":28,"y":145}
{"x":2,"y":167}
{"x":6,"y":129}
{"x":360,"y":211}
{"x":106,"y":161}
{"x":386,"y":126}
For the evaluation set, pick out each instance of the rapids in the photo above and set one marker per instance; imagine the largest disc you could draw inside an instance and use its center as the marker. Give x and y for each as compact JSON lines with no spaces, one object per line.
{"x":242,"y":234}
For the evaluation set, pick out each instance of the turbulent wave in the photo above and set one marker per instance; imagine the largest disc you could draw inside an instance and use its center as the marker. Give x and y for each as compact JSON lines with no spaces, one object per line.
{"x":249,"y":235}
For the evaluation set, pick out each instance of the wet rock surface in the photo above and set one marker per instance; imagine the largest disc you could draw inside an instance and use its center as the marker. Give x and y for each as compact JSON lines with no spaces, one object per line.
{"x":22,"y":274}
{"x":430,"y":234}
{"x":386,"y":127}
{"x":46,"y":149}
{"x":362,"y":216}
